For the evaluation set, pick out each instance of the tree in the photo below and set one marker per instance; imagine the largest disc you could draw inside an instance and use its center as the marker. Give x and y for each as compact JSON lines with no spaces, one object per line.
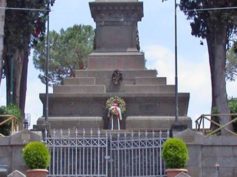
{"x":23,"y":28}
{"x":68,"y":51}
{"x":231,"y":65}
{"x":218,"y":27}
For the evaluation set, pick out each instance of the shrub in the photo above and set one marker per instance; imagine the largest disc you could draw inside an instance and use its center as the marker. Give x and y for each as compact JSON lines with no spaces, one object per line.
{"x":5,"y":129}
{"x":232,"y":103}
{"x":11,"y":109}
{"x":14,"y":110}
{"x":36,"y":155}
{"x":175,"y":153}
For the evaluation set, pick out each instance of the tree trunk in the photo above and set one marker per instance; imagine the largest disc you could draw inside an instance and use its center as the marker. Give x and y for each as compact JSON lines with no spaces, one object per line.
{"x":19,"y":76}
{"x":16,"y":43}
{"x":18,"y":66}
{"x":216,"y":41}
{"x":8,"y":62}
{"x":23,"y":88}
{"x":2,"y":22}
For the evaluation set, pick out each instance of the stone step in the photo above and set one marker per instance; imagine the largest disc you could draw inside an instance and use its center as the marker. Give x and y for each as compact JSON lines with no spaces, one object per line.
{"x":116,"y":60}
{"x":127,"y":74}
{"x":155,"y":122}
{"x":79,"y":81}
{"x":94,"y":122}
{"x":149,"y":89}
{"x":85,"y":89}
{"x":146,"y":104}
{"x":150,"y":81}
{"x":73,"y":122}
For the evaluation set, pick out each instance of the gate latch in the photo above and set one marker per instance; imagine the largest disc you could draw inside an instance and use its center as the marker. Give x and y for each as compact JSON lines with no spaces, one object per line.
{"x":107,"y":157}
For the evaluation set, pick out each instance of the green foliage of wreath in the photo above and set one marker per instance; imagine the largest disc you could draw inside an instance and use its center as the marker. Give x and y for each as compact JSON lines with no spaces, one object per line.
{"x":120,"y":101}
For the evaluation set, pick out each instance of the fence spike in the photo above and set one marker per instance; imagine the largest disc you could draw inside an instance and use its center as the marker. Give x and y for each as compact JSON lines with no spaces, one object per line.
{"x":76,"y":131}
{"x":98,"y":131}
{"x":61,"y":131}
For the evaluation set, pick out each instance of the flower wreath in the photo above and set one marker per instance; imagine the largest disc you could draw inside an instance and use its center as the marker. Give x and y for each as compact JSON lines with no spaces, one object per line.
{"x":115,"y":99}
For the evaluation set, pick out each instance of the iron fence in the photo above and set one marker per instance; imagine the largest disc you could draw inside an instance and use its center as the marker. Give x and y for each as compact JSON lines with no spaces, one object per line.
{"x":106,"y":153}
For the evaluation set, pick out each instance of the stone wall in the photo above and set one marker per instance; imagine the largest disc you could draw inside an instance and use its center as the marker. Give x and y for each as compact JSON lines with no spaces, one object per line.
{"x":10,"y":151}
{"x":207,"y":153}
{"x":204,"y":152}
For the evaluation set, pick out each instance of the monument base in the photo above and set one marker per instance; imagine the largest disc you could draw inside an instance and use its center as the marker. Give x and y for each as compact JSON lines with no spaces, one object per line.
{"x":179,"y":125}
{"x":71,"y":122}
{"x":155,"y":122}
{"x":130,"y":122}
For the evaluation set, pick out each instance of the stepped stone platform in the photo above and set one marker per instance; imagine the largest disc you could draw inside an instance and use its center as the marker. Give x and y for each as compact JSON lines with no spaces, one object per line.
{"x":69,"y":104}
{"x":70,"y":122}
{"x":80,"y":101}
{"x":114,"y":60}
{"x":132,"y":122}
{"x":154,"y":122}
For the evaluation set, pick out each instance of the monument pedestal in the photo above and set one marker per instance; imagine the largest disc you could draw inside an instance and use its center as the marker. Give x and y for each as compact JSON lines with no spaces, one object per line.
{"x":150,"y":102}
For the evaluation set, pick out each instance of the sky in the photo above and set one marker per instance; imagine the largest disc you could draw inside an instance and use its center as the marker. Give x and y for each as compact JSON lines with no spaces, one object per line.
{"x":156,"y":32}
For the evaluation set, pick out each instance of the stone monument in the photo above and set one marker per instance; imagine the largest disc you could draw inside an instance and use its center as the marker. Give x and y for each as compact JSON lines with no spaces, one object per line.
{"x":80,"y":101}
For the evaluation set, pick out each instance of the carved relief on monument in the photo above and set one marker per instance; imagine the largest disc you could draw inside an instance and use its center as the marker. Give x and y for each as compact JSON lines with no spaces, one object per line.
{"x":117,"y":77}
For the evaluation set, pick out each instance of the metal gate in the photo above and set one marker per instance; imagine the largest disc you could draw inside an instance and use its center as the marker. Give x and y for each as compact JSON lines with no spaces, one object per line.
{"x":106,"y":153}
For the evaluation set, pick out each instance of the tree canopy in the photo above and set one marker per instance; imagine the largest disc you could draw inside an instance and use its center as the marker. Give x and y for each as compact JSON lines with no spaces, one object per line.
{"x":231,"y":65}
{"x":68,"y":51}
{"x":203,"y":13}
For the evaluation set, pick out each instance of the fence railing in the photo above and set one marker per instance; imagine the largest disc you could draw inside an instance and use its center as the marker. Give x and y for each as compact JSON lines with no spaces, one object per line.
{"x":201,"y":126}
{"x":106,"y":153}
